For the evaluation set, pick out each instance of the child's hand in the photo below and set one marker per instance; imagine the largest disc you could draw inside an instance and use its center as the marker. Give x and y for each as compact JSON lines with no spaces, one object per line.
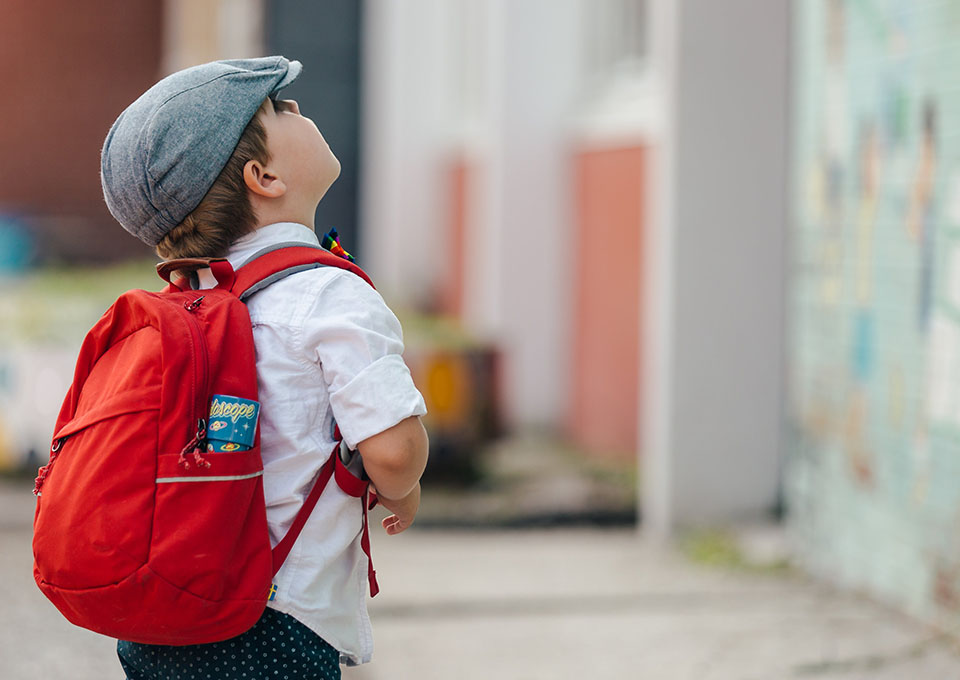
{"x":404,"y":510}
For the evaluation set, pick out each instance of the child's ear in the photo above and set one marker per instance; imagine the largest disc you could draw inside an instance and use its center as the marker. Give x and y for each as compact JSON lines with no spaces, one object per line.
{"x":262,"y":182}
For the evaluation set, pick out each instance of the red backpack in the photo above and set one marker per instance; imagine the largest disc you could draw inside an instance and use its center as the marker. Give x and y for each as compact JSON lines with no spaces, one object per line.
{"x":139,"y":533}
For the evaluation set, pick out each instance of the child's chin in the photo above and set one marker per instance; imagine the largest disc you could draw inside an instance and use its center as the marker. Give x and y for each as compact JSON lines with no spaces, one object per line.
{"x":333,"y":174}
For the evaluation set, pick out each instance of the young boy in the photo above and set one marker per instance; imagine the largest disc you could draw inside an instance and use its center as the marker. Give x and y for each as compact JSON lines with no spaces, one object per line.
{"x":209,"y":163}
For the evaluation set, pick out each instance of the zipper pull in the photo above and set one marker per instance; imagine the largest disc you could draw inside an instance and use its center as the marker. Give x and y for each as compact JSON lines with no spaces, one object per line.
{"x":194,"y":448}
{"x":45,"y":470}
{"x":191,"y":306}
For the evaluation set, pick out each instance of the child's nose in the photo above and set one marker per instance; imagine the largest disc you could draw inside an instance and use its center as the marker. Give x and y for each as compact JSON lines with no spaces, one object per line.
{"x":295,"y":106}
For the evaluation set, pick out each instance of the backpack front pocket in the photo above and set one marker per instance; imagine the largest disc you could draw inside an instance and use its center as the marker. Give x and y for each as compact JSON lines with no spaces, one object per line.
{"x":198,"y":547}
{"x":96,"y":497}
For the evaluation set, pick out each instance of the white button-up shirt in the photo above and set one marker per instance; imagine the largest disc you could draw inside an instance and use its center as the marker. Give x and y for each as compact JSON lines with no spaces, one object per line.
{"x":328,"y":352}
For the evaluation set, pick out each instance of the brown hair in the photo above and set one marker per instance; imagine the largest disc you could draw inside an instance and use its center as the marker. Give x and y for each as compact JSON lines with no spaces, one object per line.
{"x":225,"y":213}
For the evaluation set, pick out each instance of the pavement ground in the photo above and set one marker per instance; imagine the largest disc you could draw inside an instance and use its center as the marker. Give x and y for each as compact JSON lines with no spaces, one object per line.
{"x":597,"y":604}
{"x":551,"y":604}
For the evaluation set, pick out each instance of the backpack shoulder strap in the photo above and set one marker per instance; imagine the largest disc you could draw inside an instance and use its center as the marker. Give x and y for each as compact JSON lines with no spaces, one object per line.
{"x":283,"y":259}
{"x":256,"y":273}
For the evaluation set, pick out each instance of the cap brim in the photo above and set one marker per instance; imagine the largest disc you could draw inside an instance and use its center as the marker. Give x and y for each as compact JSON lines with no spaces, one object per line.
{"x":293,"y":70}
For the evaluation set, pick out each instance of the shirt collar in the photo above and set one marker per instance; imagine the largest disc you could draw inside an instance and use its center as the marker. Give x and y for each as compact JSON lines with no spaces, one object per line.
{"x":270,"y":235}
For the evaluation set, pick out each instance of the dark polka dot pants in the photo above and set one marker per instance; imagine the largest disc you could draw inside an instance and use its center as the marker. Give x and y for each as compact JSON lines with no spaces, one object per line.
{"x":278,"y":647}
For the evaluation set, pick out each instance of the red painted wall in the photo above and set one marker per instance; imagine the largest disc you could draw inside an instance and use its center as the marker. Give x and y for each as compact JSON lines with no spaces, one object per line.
{"x":68,"y":70}
{"x":604,"y":404}
{"x":458,"y":178}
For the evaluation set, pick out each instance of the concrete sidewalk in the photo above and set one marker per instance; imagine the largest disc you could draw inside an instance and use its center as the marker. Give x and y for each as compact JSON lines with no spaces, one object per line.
{"x":554,"y":604}
{"x":587,"y":604}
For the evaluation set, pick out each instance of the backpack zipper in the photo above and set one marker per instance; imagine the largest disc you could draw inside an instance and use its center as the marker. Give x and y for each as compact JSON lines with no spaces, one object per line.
{"x":200,"y":395}
{"x":55,"y":449}
{"x":195,"y":446}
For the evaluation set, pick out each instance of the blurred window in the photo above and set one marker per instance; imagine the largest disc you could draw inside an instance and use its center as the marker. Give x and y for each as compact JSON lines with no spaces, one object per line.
{"x":198,"y":31}
{"x":616,"y":37}
{"x":469,"y":56}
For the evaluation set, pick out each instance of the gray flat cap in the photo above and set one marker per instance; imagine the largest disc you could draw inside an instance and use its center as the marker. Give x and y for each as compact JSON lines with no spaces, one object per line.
{"x":167,"y":148}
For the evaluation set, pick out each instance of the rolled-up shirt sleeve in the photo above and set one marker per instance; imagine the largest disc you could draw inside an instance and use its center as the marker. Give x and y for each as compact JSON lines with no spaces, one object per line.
{"x":357,"y":342}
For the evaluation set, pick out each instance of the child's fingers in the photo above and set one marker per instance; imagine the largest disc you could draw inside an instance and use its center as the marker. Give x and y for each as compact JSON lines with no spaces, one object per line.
{"x":394,"y":525}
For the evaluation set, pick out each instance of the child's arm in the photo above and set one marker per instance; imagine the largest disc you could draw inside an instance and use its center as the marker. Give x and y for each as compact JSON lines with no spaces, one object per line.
{"x":356,"y":342}
{"x":394,"y":460}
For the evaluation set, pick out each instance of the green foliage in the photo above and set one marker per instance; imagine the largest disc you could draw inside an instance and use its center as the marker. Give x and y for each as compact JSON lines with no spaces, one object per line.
{"x":720,"y":548}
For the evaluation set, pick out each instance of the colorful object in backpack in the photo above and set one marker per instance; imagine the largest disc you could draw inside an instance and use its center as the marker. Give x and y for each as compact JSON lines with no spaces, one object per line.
{"x":232,"y":424}
{"x":331,"y":241}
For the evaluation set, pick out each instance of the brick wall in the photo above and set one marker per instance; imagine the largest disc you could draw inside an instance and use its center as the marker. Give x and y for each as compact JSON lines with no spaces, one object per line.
{"x":68,"y":70}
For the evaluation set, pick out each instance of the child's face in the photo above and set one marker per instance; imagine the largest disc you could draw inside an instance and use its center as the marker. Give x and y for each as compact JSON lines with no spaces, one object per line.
{"x":298,"y":151}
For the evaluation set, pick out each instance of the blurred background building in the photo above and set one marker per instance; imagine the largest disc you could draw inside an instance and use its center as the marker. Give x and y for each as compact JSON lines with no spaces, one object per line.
{"x":714,"y":238}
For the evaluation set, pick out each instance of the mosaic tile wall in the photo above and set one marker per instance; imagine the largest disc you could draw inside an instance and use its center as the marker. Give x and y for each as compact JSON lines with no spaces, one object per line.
{"x":873,"y":476}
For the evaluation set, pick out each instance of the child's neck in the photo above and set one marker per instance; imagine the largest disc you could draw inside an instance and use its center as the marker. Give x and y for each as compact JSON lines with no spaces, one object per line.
{"x":266,"y":223}
{"x":268,"y":212}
